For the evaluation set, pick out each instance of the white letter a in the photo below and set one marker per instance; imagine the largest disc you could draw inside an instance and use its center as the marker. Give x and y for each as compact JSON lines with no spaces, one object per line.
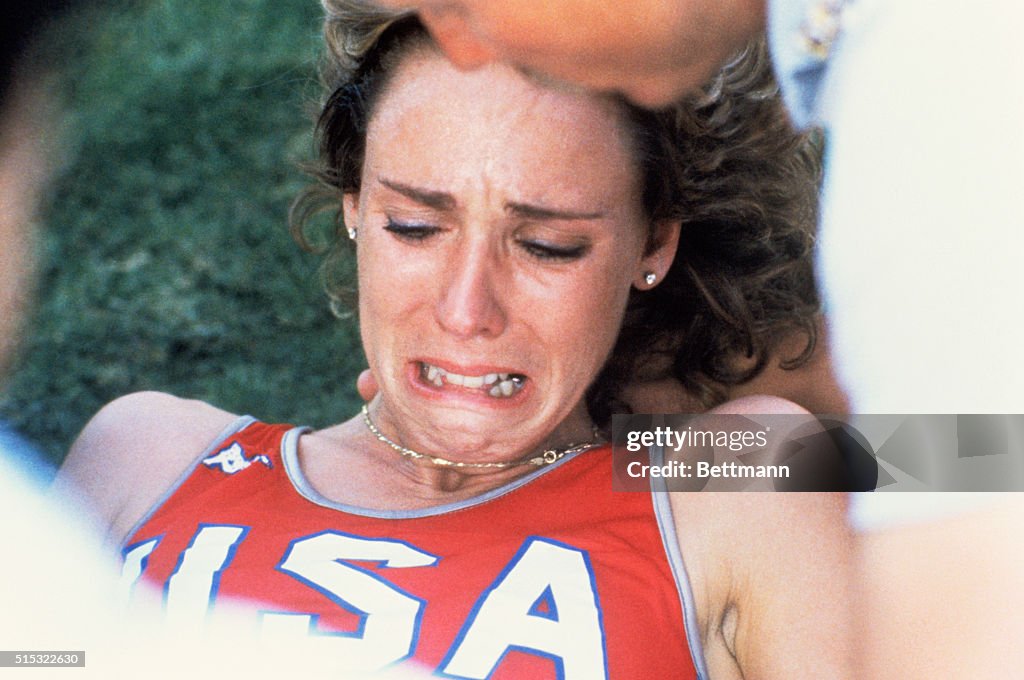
{"x":545,"y":602}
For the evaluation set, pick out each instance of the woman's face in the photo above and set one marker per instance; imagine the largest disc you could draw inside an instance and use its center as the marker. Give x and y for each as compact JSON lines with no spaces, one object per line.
{"x":499,"y":232}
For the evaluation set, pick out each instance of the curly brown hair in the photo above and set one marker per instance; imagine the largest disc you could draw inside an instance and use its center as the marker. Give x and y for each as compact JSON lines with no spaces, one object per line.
{"x":725,"y":163}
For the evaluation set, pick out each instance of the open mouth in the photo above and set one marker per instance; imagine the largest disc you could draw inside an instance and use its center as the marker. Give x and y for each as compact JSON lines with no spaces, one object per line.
{"x":498,"y":385}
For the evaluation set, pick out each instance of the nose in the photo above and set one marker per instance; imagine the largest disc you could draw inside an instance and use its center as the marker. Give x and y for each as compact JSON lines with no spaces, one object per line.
{"x":469,"y":305}
{"x":457,"y":39}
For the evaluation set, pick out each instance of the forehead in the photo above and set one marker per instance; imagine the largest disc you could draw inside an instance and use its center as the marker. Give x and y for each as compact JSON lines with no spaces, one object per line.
{"x":497,"y":120}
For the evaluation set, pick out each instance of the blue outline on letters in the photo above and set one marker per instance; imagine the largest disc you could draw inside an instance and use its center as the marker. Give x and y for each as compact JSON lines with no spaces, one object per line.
{"x":548,"y":598}
{"x":143,"y":563}
{"x":215,"y":577}
{"x":471,"y":619}
{"x":350,"y":564}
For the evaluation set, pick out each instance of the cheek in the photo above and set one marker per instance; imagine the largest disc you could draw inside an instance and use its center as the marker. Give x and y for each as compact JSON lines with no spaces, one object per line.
{"x":384,"y":300}
{"x":586,"y":322}
{"x":388,"y":280}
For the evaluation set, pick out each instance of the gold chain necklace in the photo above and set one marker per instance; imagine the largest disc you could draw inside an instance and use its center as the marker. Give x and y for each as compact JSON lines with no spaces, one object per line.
{"x":545,"y":458}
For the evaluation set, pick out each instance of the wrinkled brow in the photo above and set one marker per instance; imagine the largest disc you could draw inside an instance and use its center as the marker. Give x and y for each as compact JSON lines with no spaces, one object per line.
{"x":440,"y":200}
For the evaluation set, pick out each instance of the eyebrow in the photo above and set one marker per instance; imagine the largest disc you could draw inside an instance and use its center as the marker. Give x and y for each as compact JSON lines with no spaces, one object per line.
{"x":536,"y":212}
{"x":439,"y":200}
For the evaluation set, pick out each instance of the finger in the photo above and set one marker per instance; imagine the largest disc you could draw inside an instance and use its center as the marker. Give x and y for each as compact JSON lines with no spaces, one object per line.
{"x":366,"y":385}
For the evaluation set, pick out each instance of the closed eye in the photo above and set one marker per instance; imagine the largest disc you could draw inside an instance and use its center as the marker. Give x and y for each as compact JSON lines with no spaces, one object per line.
{"x":411,"y":232}
{"x":550,"y":252}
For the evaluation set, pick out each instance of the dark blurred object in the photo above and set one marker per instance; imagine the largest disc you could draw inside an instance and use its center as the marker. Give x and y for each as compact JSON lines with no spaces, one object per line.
{"x":23,"y":171}
{"x":23,"y":21}
{"x":830,"y":455}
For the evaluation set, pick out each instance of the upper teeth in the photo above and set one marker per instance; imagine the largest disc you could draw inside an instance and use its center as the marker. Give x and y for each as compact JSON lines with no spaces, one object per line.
{"x":503,"y":384}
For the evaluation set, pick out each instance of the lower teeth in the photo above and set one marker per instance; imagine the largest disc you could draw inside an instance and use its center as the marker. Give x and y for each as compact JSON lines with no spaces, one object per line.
{"x":505,"y":388}
{"x":502,"y":388}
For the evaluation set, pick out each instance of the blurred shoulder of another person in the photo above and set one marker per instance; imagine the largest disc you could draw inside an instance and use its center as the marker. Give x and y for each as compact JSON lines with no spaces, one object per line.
{"x":939,"y":588}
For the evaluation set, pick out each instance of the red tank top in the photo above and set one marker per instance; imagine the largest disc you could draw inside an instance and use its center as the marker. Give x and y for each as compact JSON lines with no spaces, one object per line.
{"x":552,"y":576}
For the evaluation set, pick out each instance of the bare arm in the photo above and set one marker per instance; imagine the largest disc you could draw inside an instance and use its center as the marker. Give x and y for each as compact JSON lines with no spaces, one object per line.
{"x":131,"y":452}
{"x":771,"y":575}
{"x":795,"y":618}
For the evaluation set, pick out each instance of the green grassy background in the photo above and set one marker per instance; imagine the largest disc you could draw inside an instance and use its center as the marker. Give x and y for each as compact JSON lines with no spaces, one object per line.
{"x":166,"y":262}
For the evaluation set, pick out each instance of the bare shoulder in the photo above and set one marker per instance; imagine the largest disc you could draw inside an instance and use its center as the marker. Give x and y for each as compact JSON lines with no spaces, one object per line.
{"x":759,"y":404}
{"x":771,"y":575}
{"x":131,"y":452}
